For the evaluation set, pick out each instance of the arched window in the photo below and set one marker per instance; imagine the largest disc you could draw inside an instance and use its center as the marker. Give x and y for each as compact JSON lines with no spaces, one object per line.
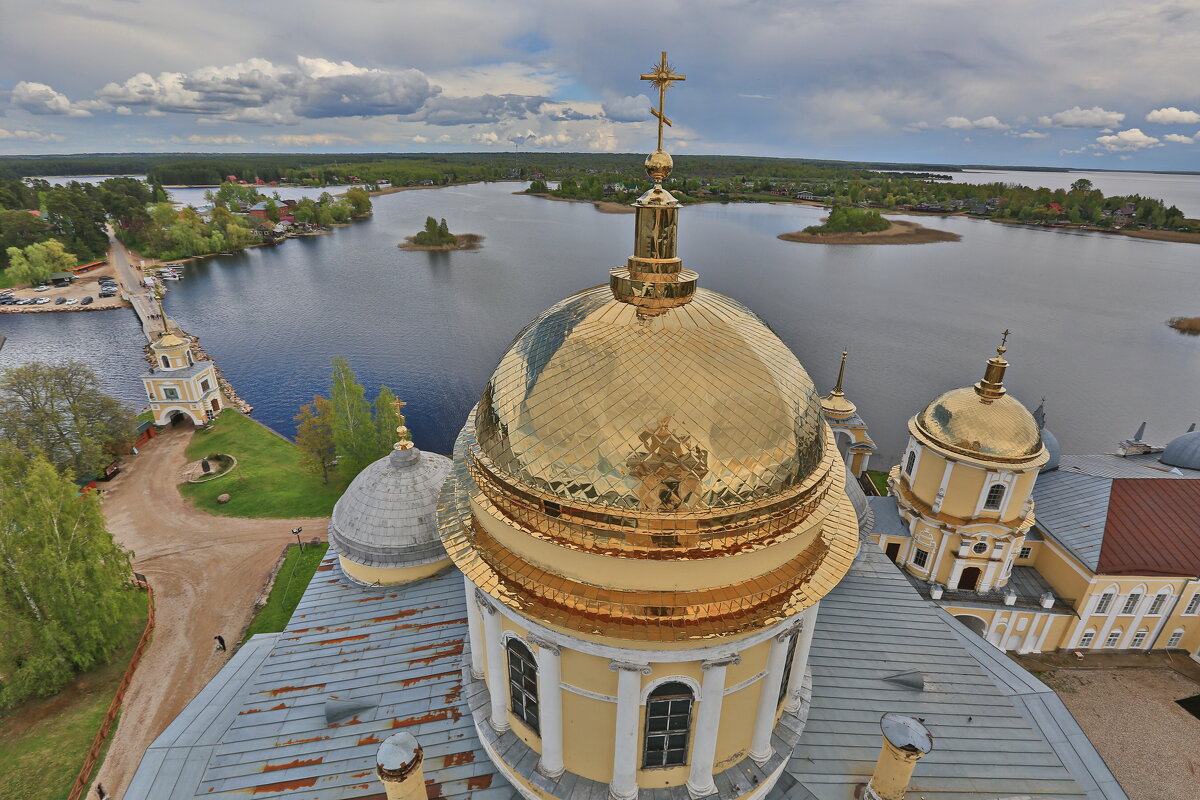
{"x":1104,"y":603}
{"x":912,"y":460}
{"x":668,"y":725}
{"x":1086,"y":640}
{"x":522,"y":684}
{"x":1139,"y":640}
{"x":189,"y":355}
{"x":1112,"y":638}
{"x":995,"y":496}
{"x":166,"y":362}
{"x":1175,"y":639}
{"x":1156,"y":605}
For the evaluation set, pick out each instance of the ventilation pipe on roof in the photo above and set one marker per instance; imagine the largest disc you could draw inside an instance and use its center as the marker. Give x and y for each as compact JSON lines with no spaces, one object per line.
{"x":905,"y":741}
{"x":400,"y":765}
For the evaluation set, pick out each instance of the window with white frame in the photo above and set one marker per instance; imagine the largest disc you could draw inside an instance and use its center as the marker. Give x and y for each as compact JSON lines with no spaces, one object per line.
{"x":1156,"y":605}
{"x":912,"y":460}
{"x":1112,"y":639}
{"x":981,"y":547}
{"x":1026,"y":552}
{"x":787,"y":667}
{"x":921,"y":558}
{"x":668,"y":726}
{"x":523,"y":684}
{"x":1087,"y":638}
{"x":1139,"y":640}
{"x":995,"y":497}
{"x":170,"y":394}
{"x":1104,"y":603}
{"x":1131,"y":603}
{"x":1175,"y":639}
{"x":1193,"y":605}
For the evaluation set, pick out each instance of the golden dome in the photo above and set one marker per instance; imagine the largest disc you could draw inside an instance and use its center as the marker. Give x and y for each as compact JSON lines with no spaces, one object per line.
{"x":966,"y":423}
{"x":702,"y":407}
{"x":168,"y":340}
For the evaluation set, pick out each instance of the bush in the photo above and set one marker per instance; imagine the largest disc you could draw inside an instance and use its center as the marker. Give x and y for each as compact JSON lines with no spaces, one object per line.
{"x":848,"y":219}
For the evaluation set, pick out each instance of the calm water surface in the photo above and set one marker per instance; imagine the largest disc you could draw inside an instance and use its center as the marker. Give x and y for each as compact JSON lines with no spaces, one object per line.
{"x":1087,"y":311}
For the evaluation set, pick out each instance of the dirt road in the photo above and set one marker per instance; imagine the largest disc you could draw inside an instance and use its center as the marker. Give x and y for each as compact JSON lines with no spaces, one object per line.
{"x":206,"y":572}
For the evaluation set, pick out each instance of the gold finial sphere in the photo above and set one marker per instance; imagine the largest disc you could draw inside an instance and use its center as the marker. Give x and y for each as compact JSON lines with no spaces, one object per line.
{"x":658,"y":165}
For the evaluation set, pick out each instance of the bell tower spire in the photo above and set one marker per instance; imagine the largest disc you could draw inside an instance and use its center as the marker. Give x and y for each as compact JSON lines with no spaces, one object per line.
{"x":653,"y":278}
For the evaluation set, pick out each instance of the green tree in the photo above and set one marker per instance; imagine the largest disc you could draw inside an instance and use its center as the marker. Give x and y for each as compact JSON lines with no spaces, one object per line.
{"x":20,"y":229}
{"x":360,"y":201}
{"x":1081,"y":185}
{"x":314,"y":436}
{"x":354,"y":434}
{"x":59,"y":411}
{"x":37,"y":262}
{"x":64,"y":583}
{"x":387,"y":419}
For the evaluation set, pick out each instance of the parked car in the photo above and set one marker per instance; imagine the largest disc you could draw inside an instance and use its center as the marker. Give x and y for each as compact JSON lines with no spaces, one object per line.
{"x":8,"y":301}
{"x":107,"y":293}
{"x":41,"y":301}
{"x":41,"y":288}
{"x":6,"y":292}
{"x":87,"y":301}
{"x":72,"y":301}
{"x":60,"y":301}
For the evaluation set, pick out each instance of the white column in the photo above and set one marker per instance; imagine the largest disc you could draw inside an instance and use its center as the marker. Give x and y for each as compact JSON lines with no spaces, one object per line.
{"x":1142,"y":607}
{"x":955,"y":574}
{"x":708,"y":722}
{"x":1028,"y":645}
{"x":800,"y":659}
{"x":629,"y":685}
{"x":549,"y":707}
{"x":497,"y":677}
{"x":768,"y":698}
{"x":941,"y":492}
{"x":474,"y":631}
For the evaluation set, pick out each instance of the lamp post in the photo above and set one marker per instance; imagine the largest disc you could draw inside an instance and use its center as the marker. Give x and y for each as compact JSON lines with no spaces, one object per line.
{"x":296,"y":533}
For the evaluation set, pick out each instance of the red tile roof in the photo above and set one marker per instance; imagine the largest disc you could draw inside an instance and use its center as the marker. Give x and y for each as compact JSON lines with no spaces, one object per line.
{"x":1153,"y":528}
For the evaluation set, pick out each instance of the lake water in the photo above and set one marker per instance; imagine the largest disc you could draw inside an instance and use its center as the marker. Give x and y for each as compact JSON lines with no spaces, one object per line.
{"x":1087,"y":311}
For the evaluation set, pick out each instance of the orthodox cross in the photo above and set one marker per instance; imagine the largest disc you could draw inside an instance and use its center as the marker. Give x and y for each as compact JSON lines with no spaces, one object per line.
{"x":1004,"y":341}
{"x":661,"y":78}
{"x":402,"y":432}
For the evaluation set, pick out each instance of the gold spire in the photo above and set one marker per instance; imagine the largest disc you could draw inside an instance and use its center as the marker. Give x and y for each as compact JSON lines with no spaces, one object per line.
{"x":166,"y":338}
{"x":404,"y":436}
{"x":992,"y":386}
{"x":835,"y":403}
{"x":653,"y":278}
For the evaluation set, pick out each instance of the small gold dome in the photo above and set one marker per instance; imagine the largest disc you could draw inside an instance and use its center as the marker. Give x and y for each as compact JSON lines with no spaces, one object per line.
{"x":964,"y":422}
{"x":699,"y":408}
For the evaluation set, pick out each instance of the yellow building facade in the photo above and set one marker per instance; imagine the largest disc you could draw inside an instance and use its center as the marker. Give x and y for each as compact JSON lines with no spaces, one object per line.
{"x":178,"y":385}
{"x":1031,"y":549}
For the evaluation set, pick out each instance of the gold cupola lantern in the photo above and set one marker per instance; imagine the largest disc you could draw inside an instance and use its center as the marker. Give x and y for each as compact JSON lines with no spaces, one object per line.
{"x":648,"y":461}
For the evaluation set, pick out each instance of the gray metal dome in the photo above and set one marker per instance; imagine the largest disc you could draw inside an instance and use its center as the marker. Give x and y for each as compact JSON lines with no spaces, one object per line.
{"x":1053,"y":448}
{"x":1183,"y":451}
{"x":387,"y":516}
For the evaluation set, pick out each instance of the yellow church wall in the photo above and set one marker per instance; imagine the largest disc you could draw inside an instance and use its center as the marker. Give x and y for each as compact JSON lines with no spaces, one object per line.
{"x":737,"y":725}
{"x":927,"y":476}
{"x":1190,"y":623}
{"x":962,"y":492}
{"x":523,"y":732}
{"x":391,"y":576}
{"x":588,"y":672}
{"x":648,"y":574}
{"x":586,"y":751}
{"x":1065,"y":576}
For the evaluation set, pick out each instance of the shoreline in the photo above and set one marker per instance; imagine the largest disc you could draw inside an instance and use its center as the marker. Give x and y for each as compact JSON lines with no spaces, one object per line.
{"x":603,"y":206}
{"x":898,"y":232}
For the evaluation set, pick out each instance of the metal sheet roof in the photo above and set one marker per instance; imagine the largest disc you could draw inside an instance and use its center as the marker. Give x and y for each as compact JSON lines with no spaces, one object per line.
{"x":1143,"y":465}
{"x":1071,"y":508}
{"x":1153,"y":528}
{"x":872,"y":626}
{"x":887,"y":517}
{"x":261,"y":728}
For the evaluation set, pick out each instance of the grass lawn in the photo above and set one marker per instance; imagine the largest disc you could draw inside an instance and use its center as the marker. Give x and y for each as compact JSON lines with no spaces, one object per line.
{"x":268,"y":481}
{"x":295,"y":573}
{"x":45,"y":741}
{"x":880,"y":480}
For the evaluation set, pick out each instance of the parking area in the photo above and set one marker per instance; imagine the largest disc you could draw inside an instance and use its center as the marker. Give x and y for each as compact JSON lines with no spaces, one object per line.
{"x":72,"y":295}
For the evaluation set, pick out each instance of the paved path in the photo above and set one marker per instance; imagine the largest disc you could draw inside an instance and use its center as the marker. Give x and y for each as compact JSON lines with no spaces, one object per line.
{"x":206,"y":572}
{"x":131,"y":283}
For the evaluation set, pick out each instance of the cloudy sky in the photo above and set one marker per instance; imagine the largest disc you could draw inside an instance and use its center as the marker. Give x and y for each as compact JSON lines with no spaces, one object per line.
{"x":1088,"y":84}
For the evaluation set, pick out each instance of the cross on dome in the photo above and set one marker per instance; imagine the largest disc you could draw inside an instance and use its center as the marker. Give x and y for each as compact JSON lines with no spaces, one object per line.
{"x":661,"y":78}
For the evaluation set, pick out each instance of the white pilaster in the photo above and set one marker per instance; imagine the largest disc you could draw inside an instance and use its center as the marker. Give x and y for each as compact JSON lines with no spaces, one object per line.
{"x":629,"y":684}
{"x":474,"y":631}
{"x":549,"y":707}
{"x":708,"y":722}
{"x":955,"y":574}
{"x":768,"y":698}
{"x":800,"y":660}
{"x":941,"y":492}
{"x":497,"y":677}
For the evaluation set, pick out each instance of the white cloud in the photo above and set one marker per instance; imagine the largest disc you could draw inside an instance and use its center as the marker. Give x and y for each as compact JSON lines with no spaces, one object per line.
{"x":1027,"y":134}
{"x":31,"y":136}
{"x":124,"y":110}
{"x":421,"y":139}
{"x":308,"y":139}
{"x":1178,"y":139}
{"x":196,"y":138}
{"x":38,"y":98}
{"x":1173,"y":116}
{"x":510,"y":77}
{"x":489,"y":138}
{"x":1126,"y":141}
{"x":1094,"y":117}
{"x":635,"y":108}
{"x":988,"y":123}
